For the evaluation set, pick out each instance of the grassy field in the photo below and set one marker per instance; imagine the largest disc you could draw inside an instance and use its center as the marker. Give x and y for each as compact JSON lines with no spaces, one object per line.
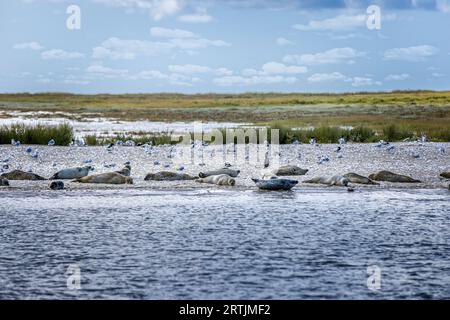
{"x":409,"y":112}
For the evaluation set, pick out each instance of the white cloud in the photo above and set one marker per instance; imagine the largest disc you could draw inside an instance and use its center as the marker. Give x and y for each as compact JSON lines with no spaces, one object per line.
{"x":414,"y":54}
{"x":339,"y":23}
{"x":28,"y":45}
{"x":58,"y":54}
{"x":333,"y":56}
{"x":363,"y":82}
{"x":197,"y":69}
{"x":322,"y":77}
{"x":196,"y":18}
{"x":158,"y":9}
{"x":397,"y":77}
{"x":337,"y":76}
{"x":105,"y":72}
{"x":279,"y":68}
{"x":115,"y":48}
{"x":253,"y":80}
{"x":171,"y":33}
{"x":284,"y":42}
{"x":443,"y":5}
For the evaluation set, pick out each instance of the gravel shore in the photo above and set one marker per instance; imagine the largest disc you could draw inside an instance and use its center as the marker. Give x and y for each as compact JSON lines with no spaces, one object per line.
{"x":423,"y":161}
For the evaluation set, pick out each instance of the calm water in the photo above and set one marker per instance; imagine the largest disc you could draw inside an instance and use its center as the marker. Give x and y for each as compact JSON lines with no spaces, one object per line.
{"x":225,"y":244}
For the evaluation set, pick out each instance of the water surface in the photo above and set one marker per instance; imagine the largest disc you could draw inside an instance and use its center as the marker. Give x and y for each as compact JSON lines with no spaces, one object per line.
{"x":225,"y":244}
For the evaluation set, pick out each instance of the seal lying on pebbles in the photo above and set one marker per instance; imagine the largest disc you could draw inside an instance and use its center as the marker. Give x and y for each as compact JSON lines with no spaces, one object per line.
{"x":126,"y":171}
{"x":72,"y":173}
{"x":220,"y":179}
{"x":290,"y":171}
{"x":356,"y":178}
{"x":275,"y":183}
{"x":168,"y":176}
{"x":21,"y":175}
{"x":445,"y":175}
{"x":392,"y":177}
{"x":331,"y":181}
{"x":106,"y":178}
{"x":227,"y":171}
{"x":56,"y":185}
{"x":4,"y":182}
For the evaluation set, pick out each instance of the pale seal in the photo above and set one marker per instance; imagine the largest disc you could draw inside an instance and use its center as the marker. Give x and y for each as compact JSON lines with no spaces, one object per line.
{"x":290,"y":171}
{"x":4,"y":182}
{"x":331,"y":181}
{"x":56,"y":185}
{"x":168,"y":176}
{"x":227,"y":171}
{"x":220,"y":179}
{"x":391,"y":177}
{"x":356,"y":178}
{"x":21,"y":175}
{"x":106,"y":178}
{"x":125,"y":171}
{"x":445,"y":175}
{"x":72,"y":173}
{"x":275,"y":183}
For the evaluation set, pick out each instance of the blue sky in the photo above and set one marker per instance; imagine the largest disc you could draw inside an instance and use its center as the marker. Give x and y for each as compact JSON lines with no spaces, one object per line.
{"x":134,"y":46}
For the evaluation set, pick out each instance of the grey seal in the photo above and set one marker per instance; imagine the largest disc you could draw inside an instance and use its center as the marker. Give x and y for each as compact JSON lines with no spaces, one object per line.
{"x":290,"y":171}
{"x":227,"y":171}
{"x":331,"y":181}
{"x":275,"y":183}
{"x":168,"y":176}
{"x":21,"y":175}
{"x":106,"y":178}
{"x":220,"y":179}
{"x":356,"y":178}
{"x":392,"y":177}
{"x":56,"y":185}
{"x":72,"y":173}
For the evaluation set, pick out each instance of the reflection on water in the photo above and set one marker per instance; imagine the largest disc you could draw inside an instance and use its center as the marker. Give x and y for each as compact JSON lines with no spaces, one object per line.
{"x":225,"y":244}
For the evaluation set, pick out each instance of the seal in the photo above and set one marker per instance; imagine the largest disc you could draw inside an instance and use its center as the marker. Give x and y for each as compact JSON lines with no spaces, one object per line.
{"x":392,"y":177}
{"x":21,"y":175}
{"x":72,"y":173}
{"x":4,"y":182}
{"x":227,"y":171}
{"x":275,"y":184}
{"x":445,"y":175}
{"x":331,"y":181}
{"x":125,"y":171}
{"x":168,"y":176}
{"x":56,"y":185}
{"x":106,"y":178}
{"x":220,"y":180}
{"x":290,"y":171}
{"x":356,"y":178}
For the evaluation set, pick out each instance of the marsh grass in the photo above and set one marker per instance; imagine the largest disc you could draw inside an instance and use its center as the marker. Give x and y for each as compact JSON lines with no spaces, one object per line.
{"x":36,"y":134}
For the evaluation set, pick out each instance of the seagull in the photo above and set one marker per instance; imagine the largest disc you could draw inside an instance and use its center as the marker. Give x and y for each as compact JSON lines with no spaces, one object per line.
{"x":29,"y":150}
{"x":51,"y":142}
{"x":156,"y":163}
{"x":266,"y":160}
{"x":35,"y":154}
{"x":341,"y":140}
{"x":323,"y":159}
{"x":338,"y":149}
{"x":313,"y":141}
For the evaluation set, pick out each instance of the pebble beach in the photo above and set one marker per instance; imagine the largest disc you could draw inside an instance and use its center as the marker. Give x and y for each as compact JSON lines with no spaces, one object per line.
{"x":423,"y":161}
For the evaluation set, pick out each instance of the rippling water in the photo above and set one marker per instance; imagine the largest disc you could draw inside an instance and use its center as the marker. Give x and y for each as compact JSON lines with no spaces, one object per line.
{"x":225,"y":244}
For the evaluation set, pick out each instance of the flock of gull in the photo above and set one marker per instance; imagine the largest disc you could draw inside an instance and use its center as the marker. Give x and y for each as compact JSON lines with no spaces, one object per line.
{"x":272,"y":179}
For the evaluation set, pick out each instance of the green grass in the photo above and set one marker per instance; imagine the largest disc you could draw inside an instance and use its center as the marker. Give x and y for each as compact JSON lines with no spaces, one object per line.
{"x":36,"y":134}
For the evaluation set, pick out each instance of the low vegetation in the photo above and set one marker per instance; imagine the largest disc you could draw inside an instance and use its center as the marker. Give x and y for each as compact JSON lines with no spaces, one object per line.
{"x":36,"y":134}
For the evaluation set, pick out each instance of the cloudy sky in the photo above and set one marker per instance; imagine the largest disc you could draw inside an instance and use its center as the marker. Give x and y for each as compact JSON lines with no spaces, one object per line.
{"x":128,"y":46}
